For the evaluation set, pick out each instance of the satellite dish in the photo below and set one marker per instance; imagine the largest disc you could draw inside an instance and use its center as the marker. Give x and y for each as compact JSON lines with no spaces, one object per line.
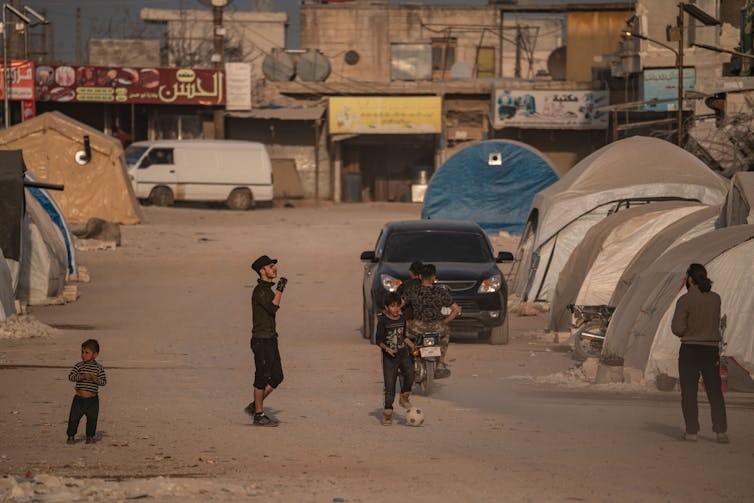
{"x":556,"y":63}
{"x":216,"y":3}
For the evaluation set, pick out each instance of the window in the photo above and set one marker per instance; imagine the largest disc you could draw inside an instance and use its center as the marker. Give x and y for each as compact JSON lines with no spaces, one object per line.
{"x":158,"y":156}
{"x":443,"y":56}
{"x":410,"y":62}
{"x":485,"y":62}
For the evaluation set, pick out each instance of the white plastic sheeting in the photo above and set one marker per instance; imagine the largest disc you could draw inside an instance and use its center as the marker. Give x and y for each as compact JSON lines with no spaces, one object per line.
{"x":44,"y":262}
{"x":739,"y":204}
{"x":732,"y":274}
{"x":620,"y":247}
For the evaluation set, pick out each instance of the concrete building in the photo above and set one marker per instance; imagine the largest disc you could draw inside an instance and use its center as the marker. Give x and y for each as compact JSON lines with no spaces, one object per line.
{"x":406,"y":86}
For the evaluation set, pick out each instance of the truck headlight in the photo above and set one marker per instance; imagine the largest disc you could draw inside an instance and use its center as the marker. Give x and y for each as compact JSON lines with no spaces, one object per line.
{"x":390,"y":283}
{"x":491,"y":284}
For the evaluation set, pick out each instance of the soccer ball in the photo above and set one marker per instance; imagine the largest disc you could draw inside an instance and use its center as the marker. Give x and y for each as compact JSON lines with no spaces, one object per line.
{"x":414,"y":417}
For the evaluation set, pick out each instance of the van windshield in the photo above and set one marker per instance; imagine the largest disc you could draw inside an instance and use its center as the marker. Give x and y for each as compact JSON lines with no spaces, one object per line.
{"x":134,"y":153}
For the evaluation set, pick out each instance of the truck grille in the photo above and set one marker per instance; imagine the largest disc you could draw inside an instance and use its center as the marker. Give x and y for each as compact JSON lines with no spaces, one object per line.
{"x":457,"y":286}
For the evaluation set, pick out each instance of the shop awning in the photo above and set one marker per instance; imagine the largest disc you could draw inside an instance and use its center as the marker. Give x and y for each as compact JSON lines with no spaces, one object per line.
{"x":280,"y":113}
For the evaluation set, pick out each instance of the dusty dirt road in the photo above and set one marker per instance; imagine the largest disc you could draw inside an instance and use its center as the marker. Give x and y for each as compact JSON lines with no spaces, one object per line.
{"x":171,"y":311}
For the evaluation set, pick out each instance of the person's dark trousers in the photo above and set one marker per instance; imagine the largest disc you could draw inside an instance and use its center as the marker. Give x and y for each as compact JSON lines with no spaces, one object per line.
{"x":390,"y":366}
{"x":693,"y":360}
{"x":80,"y":407}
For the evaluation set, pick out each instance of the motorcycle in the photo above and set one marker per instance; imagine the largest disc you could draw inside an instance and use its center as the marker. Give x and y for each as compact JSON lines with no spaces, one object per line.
{"x":426,"y":355}
{"x":591,"y":324}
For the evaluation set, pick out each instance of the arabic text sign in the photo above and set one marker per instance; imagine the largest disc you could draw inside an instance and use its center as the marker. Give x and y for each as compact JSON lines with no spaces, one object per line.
{"x":21,"y":83}
{"x":662,"y":83}
{"x":386,"y":115}
{"x":549,"y":109}
{"x":101,"y":84}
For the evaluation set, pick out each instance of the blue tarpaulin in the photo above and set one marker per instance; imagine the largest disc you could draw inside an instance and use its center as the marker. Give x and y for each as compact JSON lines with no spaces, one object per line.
{"x":491,"y":183}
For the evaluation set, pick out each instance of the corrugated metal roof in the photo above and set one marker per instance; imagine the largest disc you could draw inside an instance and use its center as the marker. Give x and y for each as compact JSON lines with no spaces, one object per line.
{"x":282,"y":113}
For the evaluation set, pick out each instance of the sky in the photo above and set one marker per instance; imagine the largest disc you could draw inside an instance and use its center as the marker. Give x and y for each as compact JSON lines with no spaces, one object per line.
{"x":120,"y":18}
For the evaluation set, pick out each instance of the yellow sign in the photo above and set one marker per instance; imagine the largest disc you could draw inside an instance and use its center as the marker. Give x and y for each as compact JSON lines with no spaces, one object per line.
{"x":385,"y":115}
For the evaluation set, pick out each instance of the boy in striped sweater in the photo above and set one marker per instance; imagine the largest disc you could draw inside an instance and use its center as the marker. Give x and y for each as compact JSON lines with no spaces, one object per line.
{"x":88,"y":376}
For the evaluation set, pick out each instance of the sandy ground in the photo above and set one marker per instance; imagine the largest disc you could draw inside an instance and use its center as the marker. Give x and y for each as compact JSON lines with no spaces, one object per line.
{"x":171,"y":311}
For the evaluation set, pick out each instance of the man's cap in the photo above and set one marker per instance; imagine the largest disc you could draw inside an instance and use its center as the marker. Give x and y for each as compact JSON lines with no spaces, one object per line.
{"x":261,"y":262}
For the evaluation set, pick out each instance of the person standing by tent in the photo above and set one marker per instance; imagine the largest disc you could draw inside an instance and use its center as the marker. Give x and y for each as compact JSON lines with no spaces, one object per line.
{"x":696,"y":321}
{"x":268,"y":369}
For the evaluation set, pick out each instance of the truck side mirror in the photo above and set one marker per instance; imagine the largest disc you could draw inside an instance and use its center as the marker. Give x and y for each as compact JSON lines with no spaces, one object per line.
{"x":367,"y":255}
{"x":504,"y":256}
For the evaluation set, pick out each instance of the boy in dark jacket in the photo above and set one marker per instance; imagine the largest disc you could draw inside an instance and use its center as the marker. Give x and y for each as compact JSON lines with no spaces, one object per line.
{"x":396,"y":354}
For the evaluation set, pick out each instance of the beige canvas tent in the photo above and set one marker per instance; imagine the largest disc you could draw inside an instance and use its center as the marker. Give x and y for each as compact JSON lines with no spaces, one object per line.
{"x":617,"y":176}
{"x":596,"y":265}
{"x":739,"y":205}
{"x":639,"y":332}
{"x":97,"y":188}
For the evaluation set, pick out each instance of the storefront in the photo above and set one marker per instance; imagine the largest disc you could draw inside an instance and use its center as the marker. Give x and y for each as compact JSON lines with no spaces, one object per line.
{"x":134,"y":103}
{"x":381,"y":146}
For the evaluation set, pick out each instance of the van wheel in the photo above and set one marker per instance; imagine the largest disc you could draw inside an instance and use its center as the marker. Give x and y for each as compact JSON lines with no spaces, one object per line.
{"x":240,"y":199}
{"x":161,"y":196}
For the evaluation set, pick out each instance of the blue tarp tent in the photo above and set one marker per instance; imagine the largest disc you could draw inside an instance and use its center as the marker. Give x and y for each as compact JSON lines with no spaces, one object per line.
{"x":491,"y":183}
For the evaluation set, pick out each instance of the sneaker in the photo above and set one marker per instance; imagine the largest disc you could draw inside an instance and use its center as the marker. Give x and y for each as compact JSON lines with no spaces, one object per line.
{"x":689,"y":437}
{"x":71,"y":440}
{"x":251,"y":409}
{"x":722,"y":438}
{"x":264,"y":420}
{"x":90,"y":440}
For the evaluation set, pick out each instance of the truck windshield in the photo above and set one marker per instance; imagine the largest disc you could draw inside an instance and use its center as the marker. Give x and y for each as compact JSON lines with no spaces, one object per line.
{"x":134,"y":153}
{"x":437,"y":247}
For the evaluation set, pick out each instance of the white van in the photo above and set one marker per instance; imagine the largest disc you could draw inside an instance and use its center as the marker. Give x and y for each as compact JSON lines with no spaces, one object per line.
{"x":164,"y":171}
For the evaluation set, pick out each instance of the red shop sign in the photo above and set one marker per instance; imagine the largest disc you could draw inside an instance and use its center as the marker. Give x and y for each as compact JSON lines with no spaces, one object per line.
{"x":102,"y":84}
{"x":21,"y":81}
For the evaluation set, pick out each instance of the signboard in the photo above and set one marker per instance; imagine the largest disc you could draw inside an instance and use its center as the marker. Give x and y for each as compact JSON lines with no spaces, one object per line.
{"x":238,"y":86}
{"x":662,"y":83}
{"x":549,"y":109}
{"x":21,"y":83}
{"x":103,"y":84}
{"x":385,"y":115}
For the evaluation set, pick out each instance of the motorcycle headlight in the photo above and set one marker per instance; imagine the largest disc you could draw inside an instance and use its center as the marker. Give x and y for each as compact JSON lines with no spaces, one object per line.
{"x":491,"y":284}
{"x":390,"y":283}
{"x":429,"y":341}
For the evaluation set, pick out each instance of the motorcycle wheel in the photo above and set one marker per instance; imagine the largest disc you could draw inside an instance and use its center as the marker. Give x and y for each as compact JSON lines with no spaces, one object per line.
{"x":587,"y":348}
{"x":429,"y":378}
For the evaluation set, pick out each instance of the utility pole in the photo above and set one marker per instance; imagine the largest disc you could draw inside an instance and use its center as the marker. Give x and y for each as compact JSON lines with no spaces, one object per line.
{"x":78,"y":35}
{"x":679,"y":65}
{"x":218,"y":59}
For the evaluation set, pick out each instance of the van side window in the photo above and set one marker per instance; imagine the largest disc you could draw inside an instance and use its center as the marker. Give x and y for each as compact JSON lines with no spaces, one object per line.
{"x":158,"y":156}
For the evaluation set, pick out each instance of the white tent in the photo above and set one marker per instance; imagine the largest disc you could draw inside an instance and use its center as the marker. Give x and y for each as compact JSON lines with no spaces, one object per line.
{"x":739,"y":204}
{"x":619,"y":175}
{"x":639,"y":334}
{"x":44,"y":260}
{"x":597,"y":264}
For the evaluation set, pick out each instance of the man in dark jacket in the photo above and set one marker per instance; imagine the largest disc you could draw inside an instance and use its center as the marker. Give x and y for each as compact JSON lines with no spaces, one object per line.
{"x":268,"y":369}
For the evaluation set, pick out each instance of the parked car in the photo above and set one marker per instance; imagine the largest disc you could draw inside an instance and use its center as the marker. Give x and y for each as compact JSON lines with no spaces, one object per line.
{"x":466,"y":265}
{"x":236,"y":172}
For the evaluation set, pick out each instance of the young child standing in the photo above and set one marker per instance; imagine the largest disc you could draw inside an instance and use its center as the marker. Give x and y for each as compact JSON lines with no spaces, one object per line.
{"x":396,"y":354}
{"x":88,"y":375}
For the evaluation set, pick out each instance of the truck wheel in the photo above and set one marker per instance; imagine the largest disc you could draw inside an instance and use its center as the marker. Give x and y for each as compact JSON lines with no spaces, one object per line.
{"x":161,"y":196}
{"x":240,"y":199}
{"x":499,"y":334}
